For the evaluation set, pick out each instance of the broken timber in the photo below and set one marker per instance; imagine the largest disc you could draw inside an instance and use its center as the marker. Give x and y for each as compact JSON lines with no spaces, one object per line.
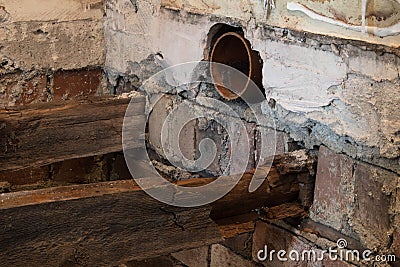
{"x":109,"y":223}
{"x":54,"y":132}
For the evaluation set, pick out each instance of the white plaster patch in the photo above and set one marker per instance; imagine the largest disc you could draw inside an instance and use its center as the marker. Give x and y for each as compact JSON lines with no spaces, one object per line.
{"x":300,"y":78}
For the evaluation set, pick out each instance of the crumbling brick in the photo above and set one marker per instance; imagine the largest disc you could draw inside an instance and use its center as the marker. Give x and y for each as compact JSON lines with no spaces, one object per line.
{"x":76,"y":83}
{"x":373,"y":193}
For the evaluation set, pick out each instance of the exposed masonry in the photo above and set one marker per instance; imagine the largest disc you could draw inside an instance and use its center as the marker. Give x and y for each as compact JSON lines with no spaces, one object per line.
{"x":38,"y":41}
{"x":345,"y":192}
{"x":324,"y":92}
{"x":339,"y":90}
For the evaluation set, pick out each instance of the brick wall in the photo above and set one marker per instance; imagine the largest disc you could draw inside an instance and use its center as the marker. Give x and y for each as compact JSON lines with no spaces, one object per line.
{"x":50,"y":50}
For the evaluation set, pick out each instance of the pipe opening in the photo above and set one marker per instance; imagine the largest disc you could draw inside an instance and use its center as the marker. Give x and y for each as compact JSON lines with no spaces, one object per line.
{"x":230,"y":47}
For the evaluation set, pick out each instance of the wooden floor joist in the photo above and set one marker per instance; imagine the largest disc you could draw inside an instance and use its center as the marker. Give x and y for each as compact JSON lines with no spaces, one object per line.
{"x":54,"y":132}
{"x":109,"y":223}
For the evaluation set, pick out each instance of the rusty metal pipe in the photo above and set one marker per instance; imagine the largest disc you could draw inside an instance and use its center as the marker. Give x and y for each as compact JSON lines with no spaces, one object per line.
{"x":234,"y":50}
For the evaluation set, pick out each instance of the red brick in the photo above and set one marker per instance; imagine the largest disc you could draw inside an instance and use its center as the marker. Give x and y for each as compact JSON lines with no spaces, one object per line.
{"x":74,"y":83}
{"x":354,"y":198}
{"x":333,"y":193}
{"x":35,"y":90}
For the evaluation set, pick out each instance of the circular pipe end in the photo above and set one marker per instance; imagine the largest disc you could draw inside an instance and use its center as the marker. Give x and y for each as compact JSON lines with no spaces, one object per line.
{"x":234,"y":50}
